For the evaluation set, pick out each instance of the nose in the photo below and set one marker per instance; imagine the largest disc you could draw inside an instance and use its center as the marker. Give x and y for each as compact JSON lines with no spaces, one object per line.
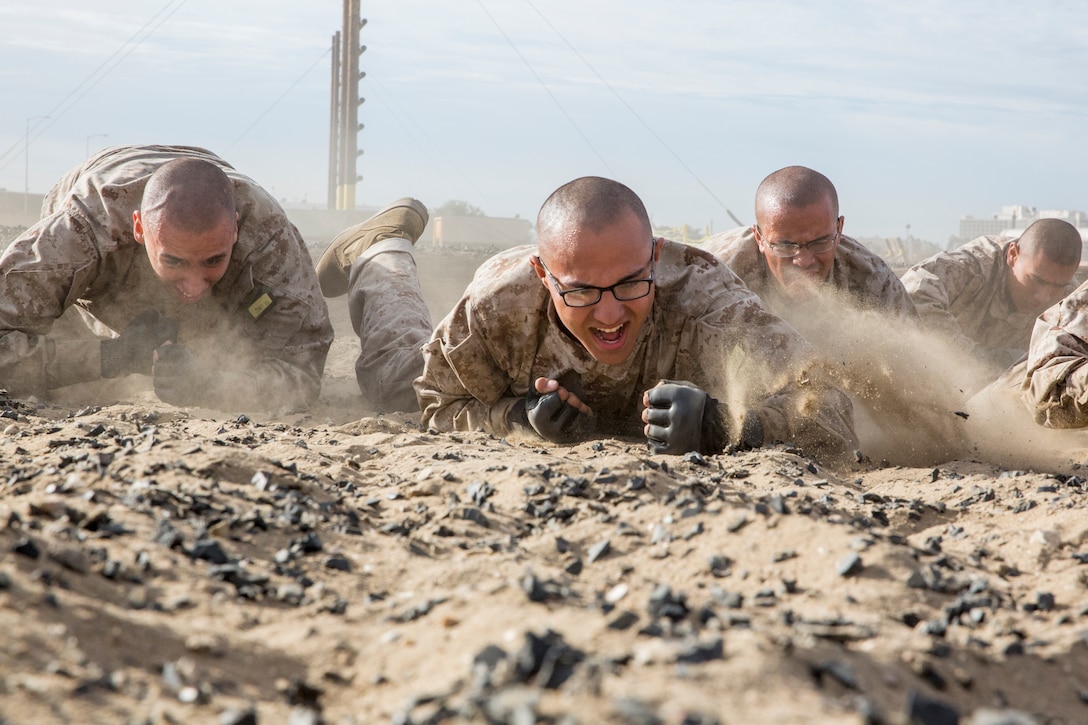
{"x":804,"y":257}
{"x":609,"y":310}
{"x":193,"y":285}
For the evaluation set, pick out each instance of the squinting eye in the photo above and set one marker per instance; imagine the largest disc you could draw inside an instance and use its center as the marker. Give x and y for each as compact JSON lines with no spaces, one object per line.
{"x":581,"y":296}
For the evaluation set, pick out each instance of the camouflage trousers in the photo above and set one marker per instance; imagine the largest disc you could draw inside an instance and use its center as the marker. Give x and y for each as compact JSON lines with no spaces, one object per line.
{"x":392,"y":320}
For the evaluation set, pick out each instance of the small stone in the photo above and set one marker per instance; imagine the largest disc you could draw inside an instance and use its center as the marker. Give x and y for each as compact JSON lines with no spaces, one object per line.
{"x":850,"y":565}
{"x":616,"y":593}
{"x":598,"y":550}
{"x":209,"y":550}
{"x":532,"y":587}
{"x":927,"y":711}
{"x":623,"y":621}
{"x":841,"y":672}
{"x":338,"y":562}
{"x":479,"y":492}
{"x":693,"y":531}
{"x":290,"y":593}
{"x":238,"y":717}
{"x":475,"y":515}
{"x":261,"y":481}
{"x":189,"y":695}
{"x":720,"y":565}
{"x":1046,"y":538}
{"x":663,"y":603}
{"x":25,"y":546}
{"x":304,"y":716}
{"x":702,"y":652}
{"x":695,"y":457}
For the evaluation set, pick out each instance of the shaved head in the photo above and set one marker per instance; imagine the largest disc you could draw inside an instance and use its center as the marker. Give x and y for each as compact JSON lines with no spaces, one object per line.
{"x":192,"y":195}
{"x":590,"y":203}
{"x":794,"y":187}
{"x":1054,"y":239}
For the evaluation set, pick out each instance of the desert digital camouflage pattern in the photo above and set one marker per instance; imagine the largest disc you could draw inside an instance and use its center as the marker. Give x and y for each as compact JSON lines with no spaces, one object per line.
{"x":390,"y":316}
{"x":963,"y":293}
{"x":706,"y":327}
{"x":82,"y":256}
{"x":1055,"y":381}
{"x":859,"y":273}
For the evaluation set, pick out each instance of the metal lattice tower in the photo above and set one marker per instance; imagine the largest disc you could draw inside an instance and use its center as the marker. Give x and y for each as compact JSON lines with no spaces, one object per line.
{"x":344,"y":126}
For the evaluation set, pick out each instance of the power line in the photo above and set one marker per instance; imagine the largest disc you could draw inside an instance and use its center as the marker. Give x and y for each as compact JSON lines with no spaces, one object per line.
{"x":86,"y":85}
{"x":636,"y":115}
{"x":277,"y":101}
{"x":546,"y":89}
{"x":390,"y":101}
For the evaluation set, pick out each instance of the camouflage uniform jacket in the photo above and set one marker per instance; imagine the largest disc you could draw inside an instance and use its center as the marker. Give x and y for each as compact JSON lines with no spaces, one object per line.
{"x":963,"y":292}
{"x":705,"y":327}
{"x":857,"y":271}
{"x":82,"y":254}
{"x":1055,"y":383}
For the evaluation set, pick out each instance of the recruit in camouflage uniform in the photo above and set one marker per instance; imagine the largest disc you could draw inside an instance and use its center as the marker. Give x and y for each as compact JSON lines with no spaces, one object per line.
{"x":857,"y":271}
{"x":962,"y":292}
{"x":262,"y":333}
{"x":1054,"y":384}
{"x":705,"y":327}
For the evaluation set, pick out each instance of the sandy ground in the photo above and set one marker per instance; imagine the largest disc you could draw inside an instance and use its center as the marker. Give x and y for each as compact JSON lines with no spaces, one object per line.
{"x":163,"y":565}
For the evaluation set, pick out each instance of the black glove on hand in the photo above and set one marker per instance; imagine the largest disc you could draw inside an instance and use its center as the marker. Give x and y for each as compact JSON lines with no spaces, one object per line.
{"x":133,"y":350}
{"x":178,"y":378}
{"x":682,"y":418}
{"x":554,"y":419}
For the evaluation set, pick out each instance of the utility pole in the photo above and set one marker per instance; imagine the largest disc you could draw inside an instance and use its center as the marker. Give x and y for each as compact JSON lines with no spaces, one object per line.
{"x":344,"y":105}
{"x":334,"y":123}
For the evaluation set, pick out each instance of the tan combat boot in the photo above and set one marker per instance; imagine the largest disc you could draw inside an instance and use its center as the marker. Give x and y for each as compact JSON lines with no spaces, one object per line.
{"x":402,"y":219}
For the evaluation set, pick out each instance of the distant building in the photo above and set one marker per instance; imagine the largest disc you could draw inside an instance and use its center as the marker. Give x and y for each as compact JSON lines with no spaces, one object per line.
{"x":1007,"y":218}
{"x":1011,"y":221}
{"x":479,"y":232}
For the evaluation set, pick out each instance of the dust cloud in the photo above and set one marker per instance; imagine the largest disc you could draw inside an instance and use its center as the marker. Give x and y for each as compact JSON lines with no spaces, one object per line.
{"x":919,"y":398}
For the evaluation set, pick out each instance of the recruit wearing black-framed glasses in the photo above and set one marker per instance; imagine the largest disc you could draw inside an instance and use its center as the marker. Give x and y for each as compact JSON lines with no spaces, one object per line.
{"x":787,"y":250}
{"x":624,"y":291}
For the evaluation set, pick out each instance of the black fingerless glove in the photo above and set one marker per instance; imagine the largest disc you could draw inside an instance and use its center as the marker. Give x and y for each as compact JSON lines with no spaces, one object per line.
{"x":133,"y":350}
{"x":556,"y":420}
{"x":682,"y":418}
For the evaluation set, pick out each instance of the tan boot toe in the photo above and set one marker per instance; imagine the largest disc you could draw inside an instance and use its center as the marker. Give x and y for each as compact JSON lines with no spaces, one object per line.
{"x":402,"y":219}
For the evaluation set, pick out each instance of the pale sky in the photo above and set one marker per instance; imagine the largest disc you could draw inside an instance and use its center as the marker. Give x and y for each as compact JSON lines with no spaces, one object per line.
{"x":919,"y":112}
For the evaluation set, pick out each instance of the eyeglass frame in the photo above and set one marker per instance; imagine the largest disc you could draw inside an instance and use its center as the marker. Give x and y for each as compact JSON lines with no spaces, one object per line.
{"x":611,"y":288}
{"x":775,"y":246}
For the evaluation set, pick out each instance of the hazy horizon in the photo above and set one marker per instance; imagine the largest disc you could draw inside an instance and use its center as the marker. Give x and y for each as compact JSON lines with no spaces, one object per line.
{"x":918,"y":115}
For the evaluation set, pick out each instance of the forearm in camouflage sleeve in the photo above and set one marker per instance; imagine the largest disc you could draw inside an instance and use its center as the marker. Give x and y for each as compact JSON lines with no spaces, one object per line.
{"x":1055,"y":383}
{"x":447,"y":405}
{"x":1057,"y":392}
